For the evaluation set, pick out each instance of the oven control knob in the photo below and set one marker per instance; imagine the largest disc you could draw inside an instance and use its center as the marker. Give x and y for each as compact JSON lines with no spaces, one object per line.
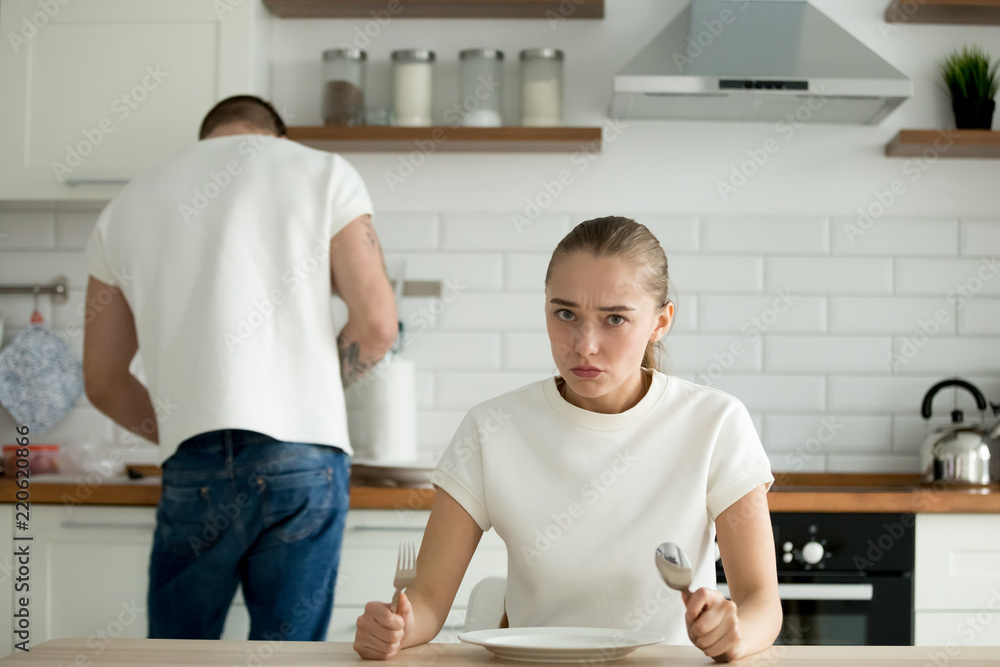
{"x":786,"y":557}
{"x":812,"y":552}
{"x":718,"y":554}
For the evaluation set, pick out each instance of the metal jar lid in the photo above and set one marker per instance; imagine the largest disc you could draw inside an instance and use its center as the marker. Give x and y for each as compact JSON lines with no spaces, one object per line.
{"x":413,"y":55}
{"x":551,"y":54}
{"x":492,"y":54}
{"x":345,"y":54}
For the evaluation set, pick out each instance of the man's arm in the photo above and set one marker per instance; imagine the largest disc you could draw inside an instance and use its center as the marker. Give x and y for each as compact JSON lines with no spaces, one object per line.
{"x":359,"y":278}
{"x":109,"y":344}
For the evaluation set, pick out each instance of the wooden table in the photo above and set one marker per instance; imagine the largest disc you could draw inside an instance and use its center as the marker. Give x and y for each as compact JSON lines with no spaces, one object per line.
{"x":186,"y":653}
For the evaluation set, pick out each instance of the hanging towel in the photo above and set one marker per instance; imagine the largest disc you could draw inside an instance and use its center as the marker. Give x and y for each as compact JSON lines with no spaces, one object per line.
{"x":41,"y":378}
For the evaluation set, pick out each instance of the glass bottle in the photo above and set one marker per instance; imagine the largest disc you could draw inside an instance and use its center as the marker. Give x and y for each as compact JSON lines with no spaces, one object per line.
{"x":541,"y":87}
{"x":344,"y":86}
{"x":480,"y":87}
{"x":412,"y":76}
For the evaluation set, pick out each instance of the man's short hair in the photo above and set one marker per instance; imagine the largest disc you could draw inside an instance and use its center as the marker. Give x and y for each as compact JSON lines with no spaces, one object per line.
{"x":247,"y":109}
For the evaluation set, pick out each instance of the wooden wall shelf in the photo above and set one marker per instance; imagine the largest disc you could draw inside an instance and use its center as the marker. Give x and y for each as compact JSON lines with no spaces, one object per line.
{"x":467,"y":9}
{"x":443,"y":139}
{"x":945,"y":143}
{"x":959,"y":12}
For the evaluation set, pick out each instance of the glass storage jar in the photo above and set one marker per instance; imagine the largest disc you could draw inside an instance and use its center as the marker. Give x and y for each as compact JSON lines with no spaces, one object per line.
{"x":412,"y":77}
{"x":344,"y":86}
{"x":541,"y":87}
{"x":480,"y":87}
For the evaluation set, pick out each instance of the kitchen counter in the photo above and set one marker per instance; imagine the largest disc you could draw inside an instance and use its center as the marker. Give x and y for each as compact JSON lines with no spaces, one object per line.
{"x":185,"y":653}
{"x":814,"y":492}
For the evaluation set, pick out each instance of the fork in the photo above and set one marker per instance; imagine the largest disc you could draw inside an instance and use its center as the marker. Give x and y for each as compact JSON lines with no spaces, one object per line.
{"x":406,"y":570}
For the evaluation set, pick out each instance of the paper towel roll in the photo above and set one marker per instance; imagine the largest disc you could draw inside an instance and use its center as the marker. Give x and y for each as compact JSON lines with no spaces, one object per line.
{"x":389,"y":404}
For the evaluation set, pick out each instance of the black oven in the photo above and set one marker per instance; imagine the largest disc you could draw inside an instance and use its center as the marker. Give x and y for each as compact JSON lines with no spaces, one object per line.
{"x":844,"y":579}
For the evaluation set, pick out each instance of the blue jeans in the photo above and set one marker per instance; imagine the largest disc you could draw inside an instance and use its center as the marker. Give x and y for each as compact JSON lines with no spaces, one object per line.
{"x":239,"y":507}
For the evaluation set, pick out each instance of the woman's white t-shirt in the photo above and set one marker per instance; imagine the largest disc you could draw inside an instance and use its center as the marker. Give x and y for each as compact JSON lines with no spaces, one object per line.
{"x":223,"y":254}
{"x":582,"y":499}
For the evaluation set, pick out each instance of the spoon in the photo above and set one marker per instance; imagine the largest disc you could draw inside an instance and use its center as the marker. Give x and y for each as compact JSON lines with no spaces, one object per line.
{"x":674,"y":567}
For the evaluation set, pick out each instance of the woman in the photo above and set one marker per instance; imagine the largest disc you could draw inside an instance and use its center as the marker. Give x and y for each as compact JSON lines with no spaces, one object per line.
{"x":584,"y":474}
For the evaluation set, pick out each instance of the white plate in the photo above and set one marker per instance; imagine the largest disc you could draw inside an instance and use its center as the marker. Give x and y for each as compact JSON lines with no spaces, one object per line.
{"x":560,"y":644}
{"x":399,"y":472}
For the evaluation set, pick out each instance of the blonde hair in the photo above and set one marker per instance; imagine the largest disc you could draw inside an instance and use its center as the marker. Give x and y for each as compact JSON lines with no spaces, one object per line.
{"x":618,"y":236}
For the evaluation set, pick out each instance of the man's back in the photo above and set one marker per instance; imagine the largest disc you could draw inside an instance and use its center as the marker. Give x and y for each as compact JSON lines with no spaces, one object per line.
{"x":222,"y":253}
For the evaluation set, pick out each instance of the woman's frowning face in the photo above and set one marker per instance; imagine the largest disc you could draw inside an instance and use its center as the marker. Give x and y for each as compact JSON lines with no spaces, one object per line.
{"x":600,"y":316}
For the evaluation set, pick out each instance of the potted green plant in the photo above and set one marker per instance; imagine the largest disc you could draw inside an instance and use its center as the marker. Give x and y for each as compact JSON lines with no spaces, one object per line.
{"x":972,"y":79}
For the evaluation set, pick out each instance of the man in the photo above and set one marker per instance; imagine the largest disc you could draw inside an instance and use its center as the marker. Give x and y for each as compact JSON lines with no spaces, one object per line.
{"x":218,"y":266}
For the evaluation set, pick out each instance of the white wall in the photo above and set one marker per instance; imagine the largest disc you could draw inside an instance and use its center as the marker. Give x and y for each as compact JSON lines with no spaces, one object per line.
{"x":855,"y":299}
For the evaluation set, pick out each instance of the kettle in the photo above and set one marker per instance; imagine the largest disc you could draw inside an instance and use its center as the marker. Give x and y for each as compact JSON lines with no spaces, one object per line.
{"x":960,"y":453}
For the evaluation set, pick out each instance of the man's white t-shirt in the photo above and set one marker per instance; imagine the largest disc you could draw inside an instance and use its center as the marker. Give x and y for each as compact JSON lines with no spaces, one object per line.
{"x":582,"y":499}
{"x":223,"y":254}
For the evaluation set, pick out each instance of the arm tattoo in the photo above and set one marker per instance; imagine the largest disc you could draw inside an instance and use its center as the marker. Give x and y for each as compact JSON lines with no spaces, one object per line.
{"x":352,"y":367}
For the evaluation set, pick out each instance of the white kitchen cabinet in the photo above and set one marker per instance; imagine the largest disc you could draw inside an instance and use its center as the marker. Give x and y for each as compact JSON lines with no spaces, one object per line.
{"x":957,"y":579}
{"x":98,"y":90}
{"x":89,"y":571}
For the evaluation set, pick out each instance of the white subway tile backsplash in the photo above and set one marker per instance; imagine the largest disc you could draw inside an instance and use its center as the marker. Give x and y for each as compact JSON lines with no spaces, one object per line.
{"x":872,"y":464}
{"x":920,"y":353}
{"x":73,"y":230}
{"x":775,"y":393}
{"x":692,"y":274}
{"x":487,"y":334}
{"x":795,"y":461}
{"x":910,"y":431}
{"x":454,"y":351}
{"x":829,"y":275}
{"x":837,"y":354}
{"x":889,"y":314}
{"x":896,"y":237}
{"x":495,"y":312}
{"x":43,"y":267}
{"x":526,"y":273}
{"x":502,"y":231}
{"x":676,"y":233}
{"x":527,"y":352}
{"x":16,"y":309}
{"x":710,"y":354}
{"x":464,"y":390}
{"x":686,"y":310}
{"x":26,"y":230}
{"x":782,"y":311}
{"x":424,"y":383}
{"x":897,"y":394}
{"x":981,"y":237}
{"x":828,"y":433}
{"x":407,"y":231}
{"x":980,"y":316}
{"x":954,"y":279}
{"x":469,"y":271}
{"x":765,"y":235}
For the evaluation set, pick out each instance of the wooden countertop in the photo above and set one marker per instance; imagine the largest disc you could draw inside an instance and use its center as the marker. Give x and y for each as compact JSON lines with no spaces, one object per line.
{"x":186,"y":653}
{"x":818,"y":492}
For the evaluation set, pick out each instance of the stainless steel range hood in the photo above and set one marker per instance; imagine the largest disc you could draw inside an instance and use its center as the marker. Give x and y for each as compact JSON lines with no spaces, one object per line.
{"x":757,"y":60}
